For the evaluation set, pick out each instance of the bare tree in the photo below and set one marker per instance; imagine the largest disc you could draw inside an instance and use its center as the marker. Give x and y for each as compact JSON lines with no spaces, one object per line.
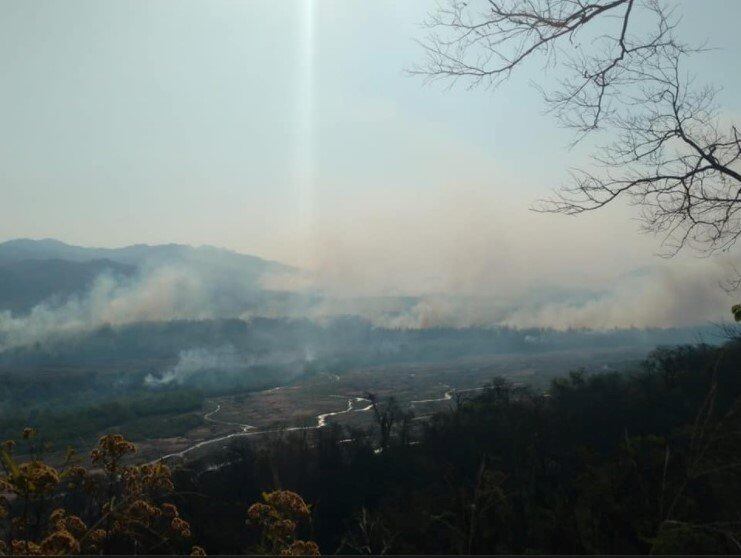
{"x":669,"y":153}
{"x":370,"y":534}
{"x":388,"y":414}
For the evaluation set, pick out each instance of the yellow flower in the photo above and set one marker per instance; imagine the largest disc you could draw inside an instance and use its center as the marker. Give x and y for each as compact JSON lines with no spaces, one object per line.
{"x":27,"y":548}
{"x":60,"y":542}
{"x":76,"y":525}
{"x":96,"y":536}
{"x":111,"y":448}
{"x":180,"y":527}
{"x":157,"y":476}
{"x":258,"y":511}
{"x":170,"y":510}
{"x":38,"y":476}
{"x":282,"y":529}
{"x":301,"y":548}
{"x":56,"y":518}
{"x":141,"y":509}
{"x":287,"y":503}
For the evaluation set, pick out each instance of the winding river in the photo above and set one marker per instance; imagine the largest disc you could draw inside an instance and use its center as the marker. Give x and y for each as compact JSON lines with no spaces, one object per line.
{"x":210,"y":418}
{"x":247,"y":431}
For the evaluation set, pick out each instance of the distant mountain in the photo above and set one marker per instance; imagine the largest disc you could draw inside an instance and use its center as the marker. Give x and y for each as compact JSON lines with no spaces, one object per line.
{"x":32,"y":271}
{"x":136,"y":254}
{"x":46,"y":249}
{"x":26,"y":283}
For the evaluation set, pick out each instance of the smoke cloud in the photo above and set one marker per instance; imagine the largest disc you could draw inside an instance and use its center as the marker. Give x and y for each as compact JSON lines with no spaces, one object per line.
{"x":155,"y":294}
{"x":196,"y":361}
{"x":674,"y":293}
{"x":222,"y":362}
{"x":664,"y":296}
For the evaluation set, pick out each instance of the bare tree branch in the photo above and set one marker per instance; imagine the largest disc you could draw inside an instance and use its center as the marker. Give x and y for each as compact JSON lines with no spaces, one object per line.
{"x":668,"y":155}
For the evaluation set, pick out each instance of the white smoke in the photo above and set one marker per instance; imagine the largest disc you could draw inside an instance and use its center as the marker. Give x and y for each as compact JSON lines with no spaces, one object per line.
{"x":665,"y":296}
{"x":670,"y":294}
{"x":674,"y":293}
{"x":161,"y":293}
{"x":222,"y":360}
{"x":195,"y":361}
{"x":685,"y":294}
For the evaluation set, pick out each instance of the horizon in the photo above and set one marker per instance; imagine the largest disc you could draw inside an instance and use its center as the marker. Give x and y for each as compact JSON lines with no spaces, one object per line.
{"x":374,"y":278}
{"x":165,"y":130}
{"x":159,"y":289}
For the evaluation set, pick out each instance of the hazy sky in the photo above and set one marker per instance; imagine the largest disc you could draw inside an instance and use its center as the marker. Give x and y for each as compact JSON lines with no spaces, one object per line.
{"x":289,"y":130}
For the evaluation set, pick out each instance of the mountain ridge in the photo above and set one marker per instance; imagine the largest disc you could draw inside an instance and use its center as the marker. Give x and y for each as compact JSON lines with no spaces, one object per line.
{"x":17,"y":249}
{"x":51,"y":271}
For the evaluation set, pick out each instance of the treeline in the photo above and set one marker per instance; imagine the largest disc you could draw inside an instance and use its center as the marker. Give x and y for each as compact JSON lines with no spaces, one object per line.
{"x":334,"y":343}
{"x":646,"y":462}
{"x":138,"y":416}
{"x":74,"y":385}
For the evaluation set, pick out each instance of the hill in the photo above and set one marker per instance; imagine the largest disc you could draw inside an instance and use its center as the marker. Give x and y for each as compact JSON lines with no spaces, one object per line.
{"x":35,"y":271}
{"x":27,"y":283}
{"x":135,"y":254}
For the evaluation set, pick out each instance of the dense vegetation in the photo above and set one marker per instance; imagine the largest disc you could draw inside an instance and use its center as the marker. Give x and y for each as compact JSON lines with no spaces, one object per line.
{"x":72,"y":389}
{"x":608,"y":463}
{"x":335,"y":343}
{"x":143,"y":415}
{"x":605,"y":463}
{"x":114,"y":507}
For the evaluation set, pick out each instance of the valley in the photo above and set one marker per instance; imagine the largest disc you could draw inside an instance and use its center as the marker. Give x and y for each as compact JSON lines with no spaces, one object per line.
{"x":324,"y":399}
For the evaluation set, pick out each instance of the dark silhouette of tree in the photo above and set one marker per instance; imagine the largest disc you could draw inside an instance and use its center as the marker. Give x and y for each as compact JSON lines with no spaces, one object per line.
{"x":642,"y":462}
{"x":388,"y":414}
{"x":670,"y":153}
{"x":369,"y":535}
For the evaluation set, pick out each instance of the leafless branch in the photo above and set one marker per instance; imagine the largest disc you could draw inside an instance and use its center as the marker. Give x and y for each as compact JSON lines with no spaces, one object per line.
{"x":669,"y":155}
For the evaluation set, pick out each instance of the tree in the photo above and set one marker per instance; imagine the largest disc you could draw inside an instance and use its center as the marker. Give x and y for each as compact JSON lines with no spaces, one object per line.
{"x":116,"y":507}
{"x":278,"y":516}
{"x":387,"y":415}
{"x":670,"y":153}
{"x":121,"y":508}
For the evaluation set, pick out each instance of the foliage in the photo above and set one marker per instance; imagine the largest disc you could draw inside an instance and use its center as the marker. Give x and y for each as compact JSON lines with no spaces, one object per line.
{"x":646,"y":461}
{"x":115,"y":507}
{"x":139,"y":415}
{"x":120,"y":508}
{"x":278,"y":516}
{"x":642,"y":462}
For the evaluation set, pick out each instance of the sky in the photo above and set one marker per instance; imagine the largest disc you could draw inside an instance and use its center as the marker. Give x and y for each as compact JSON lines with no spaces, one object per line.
{"x":291,"y":131}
